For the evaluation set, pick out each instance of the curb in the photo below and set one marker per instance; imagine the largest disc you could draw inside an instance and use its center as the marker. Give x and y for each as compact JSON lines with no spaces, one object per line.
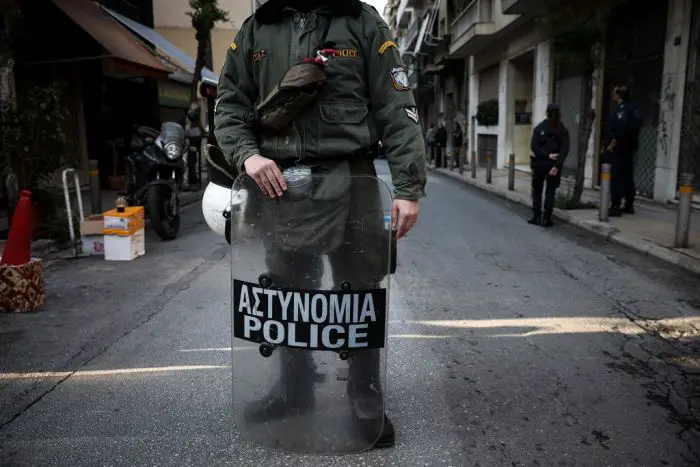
{"x":689,"y":262}
{"x":43,"y":248}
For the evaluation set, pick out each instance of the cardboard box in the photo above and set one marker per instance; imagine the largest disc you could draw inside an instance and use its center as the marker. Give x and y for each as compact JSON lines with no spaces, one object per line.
{"x":124,"y":223}
{"x":125,"y":248}
{"x":124,"y":234}
{"x":92,"y":235}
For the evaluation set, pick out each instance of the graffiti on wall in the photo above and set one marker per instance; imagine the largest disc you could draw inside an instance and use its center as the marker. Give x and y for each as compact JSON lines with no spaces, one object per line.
{"x":667,"y":105}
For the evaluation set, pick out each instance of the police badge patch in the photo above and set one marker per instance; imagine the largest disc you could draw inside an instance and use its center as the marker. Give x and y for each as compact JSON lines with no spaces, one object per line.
{"x":399,"y":78}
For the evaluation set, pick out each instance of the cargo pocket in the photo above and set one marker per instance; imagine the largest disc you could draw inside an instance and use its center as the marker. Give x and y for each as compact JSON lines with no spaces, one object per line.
{"x":343,"y":127}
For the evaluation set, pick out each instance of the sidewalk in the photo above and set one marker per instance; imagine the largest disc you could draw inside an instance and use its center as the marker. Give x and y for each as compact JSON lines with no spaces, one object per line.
{"x":42,"y":248}
{"x":651,"y":230}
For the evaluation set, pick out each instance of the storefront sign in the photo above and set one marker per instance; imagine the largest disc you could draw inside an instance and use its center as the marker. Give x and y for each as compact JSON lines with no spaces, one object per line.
{"x":173,"y":94}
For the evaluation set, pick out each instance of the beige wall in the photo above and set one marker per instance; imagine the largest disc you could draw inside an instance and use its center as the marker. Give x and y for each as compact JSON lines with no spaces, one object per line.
{"x":173,"y":13}
{"x":171,"y":20}
{"x":184,"y":38}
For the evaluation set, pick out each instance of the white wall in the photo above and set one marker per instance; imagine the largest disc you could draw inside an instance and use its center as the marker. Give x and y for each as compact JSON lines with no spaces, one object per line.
{"x":523,"y":90}
{"x":671,"y":92}
{"x":495,"y":64}
{"x":543,"y":80}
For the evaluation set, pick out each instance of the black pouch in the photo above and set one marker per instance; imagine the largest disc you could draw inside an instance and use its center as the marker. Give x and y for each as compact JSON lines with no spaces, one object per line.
{"x":297,"y":89}
{"x":295,"y":92}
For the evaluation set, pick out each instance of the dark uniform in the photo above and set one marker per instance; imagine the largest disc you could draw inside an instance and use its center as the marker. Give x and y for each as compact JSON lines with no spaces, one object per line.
{"x":367,"y":98}
{"x":546,"y":141}
{"x":440,"y":145}
{"x":624,"y":129}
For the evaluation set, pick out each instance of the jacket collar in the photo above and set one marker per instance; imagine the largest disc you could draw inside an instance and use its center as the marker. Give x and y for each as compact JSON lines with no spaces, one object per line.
{"x":274,"y":11}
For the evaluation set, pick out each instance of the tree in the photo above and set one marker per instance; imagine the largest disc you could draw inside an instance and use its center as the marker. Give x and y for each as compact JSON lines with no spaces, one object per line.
{"x":578,"y":33}
{"x":205,"y":14}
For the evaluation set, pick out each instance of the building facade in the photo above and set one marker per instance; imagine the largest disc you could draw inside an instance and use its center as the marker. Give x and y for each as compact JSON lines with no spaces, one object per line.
{"x":487,"y":65}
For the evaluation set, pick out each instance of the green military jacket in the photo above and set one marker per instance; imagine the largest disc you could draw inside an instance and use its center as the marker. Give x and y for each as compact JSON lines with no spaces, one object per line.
{"x":367,"y":96}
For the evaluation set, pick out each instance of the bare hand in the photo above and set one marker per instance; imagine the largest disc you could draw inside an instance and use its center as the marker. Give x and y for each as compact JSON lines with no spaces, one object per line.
{"x":553,"y":156}
{"x":404,"y":216}
{"x":266,"y":174}
{"x":553,"y":172}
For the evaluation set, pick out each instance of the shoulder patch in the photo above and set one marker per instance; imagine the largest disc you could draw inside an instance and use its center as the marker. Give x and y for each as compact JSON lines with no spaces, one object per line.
{"x":399,"y":78}
{"x":411,"y":112}
{"x":385,"y":46}
{"x":233,"y":46}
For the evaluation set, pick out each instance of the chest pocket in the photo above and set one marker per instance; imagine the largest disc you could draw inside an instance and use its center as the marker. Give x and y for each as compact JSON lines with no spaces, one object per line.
{"x":343,"y":125}
{"x":344,"y":108}
{"x":347,"y":76}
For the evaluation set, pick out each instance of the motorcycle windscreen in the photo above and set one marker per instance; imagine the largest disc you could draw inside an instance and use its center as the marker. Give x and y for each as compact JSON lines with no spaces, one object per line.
{"x":310,"y":299}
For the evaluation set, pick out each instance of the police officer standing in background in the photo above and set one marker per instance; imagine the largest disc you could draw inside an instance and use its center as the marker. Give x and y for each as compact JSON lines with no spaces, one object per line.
{"x":550,"y":146}
{"x":440,"y":145}
{"x":624,"y":131}
{"x":367,"y":95}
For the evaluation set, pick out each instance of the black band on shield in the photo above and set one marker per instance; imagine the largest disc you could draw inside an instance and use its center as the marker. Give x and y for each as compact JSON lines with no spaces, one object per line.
{"x":333,"y":320}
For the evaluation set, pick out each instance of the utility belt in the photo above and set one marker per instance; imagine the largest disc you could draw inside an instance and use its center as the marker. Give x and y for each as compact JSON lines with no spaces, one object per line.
{"x":360,"y":162}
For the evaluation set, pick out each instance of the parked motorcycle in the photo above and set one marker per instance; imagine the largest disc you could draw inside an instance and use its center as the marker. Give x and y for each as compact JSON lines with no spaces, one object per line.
{"x":155,"y":171}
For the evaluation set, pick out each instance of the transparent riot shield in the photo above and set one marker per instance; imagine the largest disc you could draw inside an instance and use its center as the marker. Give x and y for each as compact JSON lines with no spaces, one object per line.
{"x":310,"y":295}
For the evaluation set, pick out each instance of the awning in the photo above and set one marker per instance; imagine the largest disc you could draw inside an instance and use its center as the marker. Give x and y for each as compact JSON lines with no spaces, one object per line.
{"x":165,"y":47}
{"x":110,"y":35}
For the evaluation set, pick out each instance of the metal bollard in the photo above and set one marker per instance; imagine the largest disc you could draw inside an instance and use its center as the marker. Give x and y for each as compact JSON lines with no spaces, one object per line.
{"x":684,"y":210}
{"x":473,"y":164}
{"x":95,"y":197}
{"x":511,"y":172}
{"x":77,"y":244}
{"x":489,"y":168}
{"x":604,"y":193}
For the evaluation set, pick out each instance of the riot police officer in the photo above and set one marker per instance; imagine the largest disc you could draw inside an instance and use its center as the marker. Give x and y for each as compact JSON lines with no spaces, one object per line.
{"x":367,"y":96}
{"x":550,"y":147}
{"x":624,"y":131}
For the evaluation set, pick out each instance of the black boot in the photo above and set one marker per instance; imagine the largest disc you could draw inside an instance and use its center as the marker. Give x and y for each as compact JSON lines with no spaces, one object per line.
{"x":387,"y":439}
{"x":279,"y":404}
{"x":547,"y":220}
{"x":628,"y":209}
{"x":363,"y":388}
{"x":292,"y":394}
{"x":615,"y":212}
{"x":536,"y":219}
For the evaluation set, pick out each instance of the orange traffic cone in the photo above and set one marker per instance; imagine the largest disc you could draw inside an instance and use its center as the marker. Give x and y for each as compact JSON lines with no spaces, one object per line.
{"x":19,"y":243}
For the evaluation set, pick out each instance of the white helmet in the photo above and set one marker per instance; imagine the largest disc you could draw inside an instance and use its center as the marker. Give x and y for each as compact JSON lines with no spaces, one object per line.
{"x":216,"y":201}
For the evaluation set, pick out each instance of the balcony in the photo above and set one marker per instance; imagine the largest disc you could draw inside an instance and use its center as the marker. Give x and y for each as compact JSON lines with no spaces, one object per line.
{"x":526,"y":7}
{"x":409,"y":39}
{"x":472,"y":28}
{"x":404,"y":18}
{"x":403,"y":14}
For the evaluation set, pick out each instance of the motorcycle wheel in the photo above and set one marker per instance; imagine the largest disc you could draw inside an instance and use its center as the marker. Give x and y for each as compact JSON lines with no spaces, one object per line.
{"x":160,"y":212}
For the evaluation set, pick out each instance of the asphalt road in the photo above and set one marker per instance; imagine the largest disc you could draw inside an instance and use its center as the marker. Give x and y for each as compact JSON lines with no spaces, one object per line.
{"x":510,"y":345}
